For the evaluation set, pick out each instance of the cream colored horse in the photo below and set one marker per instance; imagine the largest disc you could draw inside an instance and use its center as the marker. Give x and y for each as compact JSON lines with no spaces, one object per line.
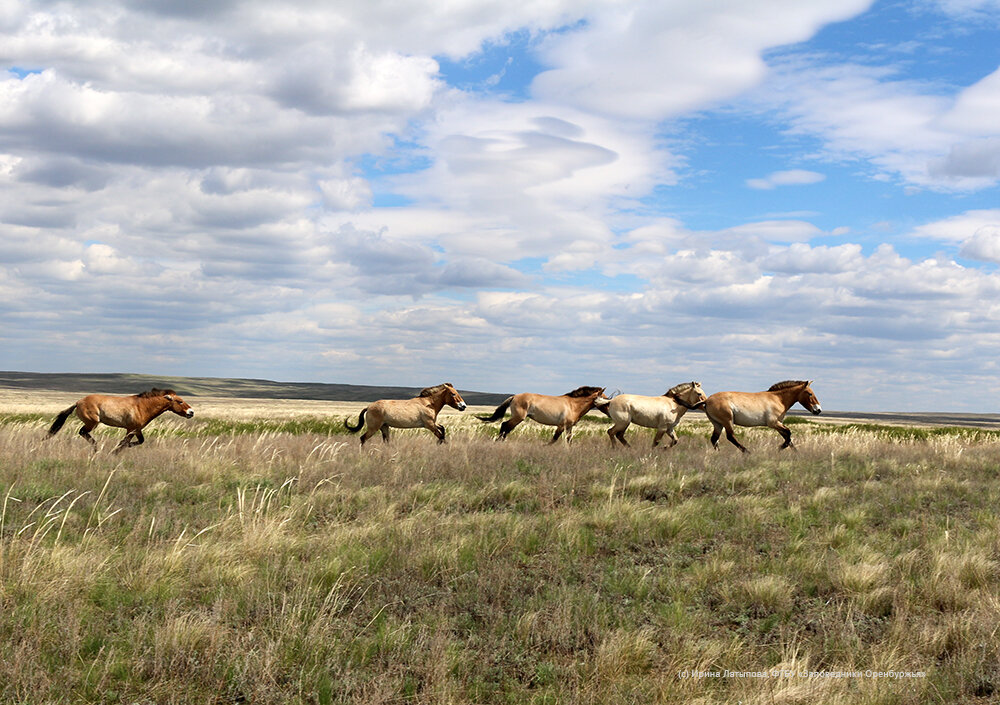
{"x":131,"y":413}
{"x":663,"y":413}
{"x":768,"y":408}
{"x":563,"y":411}
{"x":419,"y":412}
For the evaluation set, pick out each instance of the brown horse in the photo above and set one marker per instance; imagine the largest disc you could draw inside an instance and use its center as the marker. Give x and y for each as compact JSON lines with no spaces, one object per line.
{"x":663,"y":413}
{"x":131,"y":413}
{"x":759,"y":409}
{"x":563,"y":412}
{"x":419,"y":412}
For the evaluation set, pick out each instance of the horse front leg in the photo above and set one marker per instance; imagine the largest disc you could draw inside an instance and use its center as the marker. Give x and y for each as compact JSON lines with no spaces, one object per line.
{"x":559,"y":432}
{"x":124,"y":443}
{"x":786,"y":433}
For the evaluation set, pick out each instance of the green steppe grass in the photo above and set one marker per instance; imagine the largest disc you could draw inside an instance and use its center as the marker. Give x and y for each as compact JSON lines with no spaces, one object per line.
{"x":274,"y":562}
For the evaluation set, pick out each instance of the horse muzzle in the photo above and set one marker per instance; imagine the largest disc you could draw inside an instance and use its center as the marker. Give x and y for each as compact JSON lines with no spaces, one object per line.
{"x":461,"y":406}
{"x":189,"y":414}
{"x":816,"y":411}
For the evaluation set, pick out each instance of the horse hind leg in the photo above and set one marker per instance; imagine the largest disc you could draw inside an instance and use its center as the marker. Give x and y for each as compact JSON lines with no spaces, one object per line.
{"x":385,"y":432}
{"x":616,"y":433}
{"x":731,"y":437}
{"x":506,"y":427}
{"x":716,"y":434}
{"x":85,"y":434}
{"x":369,"y":432}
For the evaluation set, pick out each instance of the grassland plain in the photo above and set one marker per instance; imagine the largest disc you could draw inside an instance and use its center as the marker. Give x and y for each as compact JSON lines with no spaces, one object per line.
{"x":255,"y":554}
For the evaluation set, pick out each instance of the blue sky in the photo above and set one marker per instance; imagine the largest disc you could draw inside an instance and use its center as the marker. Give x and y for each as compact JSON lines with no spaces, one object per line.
{"x":511,"y":197}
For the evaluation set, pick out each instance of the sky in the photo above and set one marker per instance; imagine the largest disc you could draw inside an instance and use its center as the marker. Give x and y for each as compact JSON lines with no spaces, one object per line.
{"x":508,"y":196}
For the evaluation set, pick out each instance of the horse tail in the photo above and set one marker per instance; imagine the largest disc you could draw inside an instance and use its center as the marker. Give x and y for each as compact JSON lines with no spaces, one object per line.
{"x":361,"y":422}
{"x":499,"y":412}
{"x":60,"y":420}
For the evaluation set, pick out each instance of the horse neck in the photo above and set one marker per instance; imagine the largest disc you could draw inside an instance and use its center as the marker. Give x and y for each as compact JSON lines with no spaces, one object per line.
{"x":153,"y":407}
{"x":788,"y":396}
{"x":436,"y":403}
{"x":683,"y":404}
{"x":583,"y":404}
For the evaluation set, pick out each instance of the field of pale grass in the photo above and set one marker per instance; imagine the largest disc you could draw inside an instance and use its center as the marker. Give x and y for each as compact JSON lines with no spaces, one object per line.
{"x":254,"y":554}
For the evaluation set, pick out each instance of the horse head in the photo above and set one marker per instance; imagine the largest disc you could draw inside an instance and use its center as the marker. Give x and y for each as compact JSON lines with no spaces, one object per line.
{"x":600,"y":399}
{"x":453,"y":398}
{"x":178,"y":405}
{"x":808,"y":399}
{"x":447,"y":392}
{"x":695,"y":396}
{"x":688,"y":394}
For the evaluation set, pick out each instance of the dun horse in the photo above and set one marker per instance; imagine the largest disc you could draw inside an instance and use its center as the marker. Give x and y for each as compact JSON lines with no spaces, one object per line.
{"x":419,"y":412}
{"x":663,"y":413}
{"x":563,"y":412}
{"x":132,"y":413}
{"x":768,"y":408}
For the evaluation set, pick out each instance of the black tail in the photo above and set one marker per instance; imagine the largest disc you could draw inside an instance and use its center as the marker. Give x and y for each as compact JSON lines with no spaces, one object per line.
{"x":60,"y":420}
{"x":498,"y":413}
{"x":361,"y":422}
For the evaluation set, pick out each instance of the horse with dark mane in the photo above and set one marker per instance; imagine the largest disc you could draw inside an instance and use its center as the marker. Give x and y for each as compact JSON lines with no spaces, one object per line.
{"x":419,"y":412}
{"x":724,"y":409}
{"x":132,"y":413}
{"x":563,"y":411}
{"x":663,"y":413}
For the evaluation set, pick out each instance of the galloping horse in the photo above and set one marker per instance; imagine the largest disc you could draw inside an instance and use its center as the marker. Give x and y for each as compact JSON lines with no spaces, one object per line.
{"x":563,"y":412}
{"x":419,"y":412}
{"x":663,"y":413}
{"x":131,"y":413}
{"x":759,"y":409}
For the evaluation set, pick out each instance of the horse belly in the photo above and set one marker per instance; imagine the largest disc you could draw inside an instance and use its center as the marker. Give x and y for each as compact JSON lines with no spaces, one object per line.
{"x":651,"y":413}
{"x":400,"y":416}
{"x":108,"y":411}
{"x":743,"y":416}
{"x":545,"y":416}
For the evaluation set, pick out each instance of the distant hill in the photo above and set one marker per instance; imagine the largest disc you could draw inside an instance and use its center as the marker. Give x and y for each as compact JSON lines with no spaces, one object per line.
{"x":218,"y":387}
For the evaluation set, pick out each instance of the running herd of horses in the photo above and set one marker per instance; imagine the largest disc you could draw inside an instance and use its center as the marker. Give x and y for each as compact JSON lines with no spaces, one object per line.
{"x":724,"y":409}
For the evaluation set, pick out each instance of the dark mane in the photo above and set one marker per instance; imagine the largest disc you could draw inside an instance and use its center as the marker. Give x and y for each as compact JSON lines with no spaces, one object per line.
{"x":154,"y":392}
{"x":677,"y":389}
{"x":582,"y":392}
{"x":786,"y":384}
{"x":431,"y":391}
